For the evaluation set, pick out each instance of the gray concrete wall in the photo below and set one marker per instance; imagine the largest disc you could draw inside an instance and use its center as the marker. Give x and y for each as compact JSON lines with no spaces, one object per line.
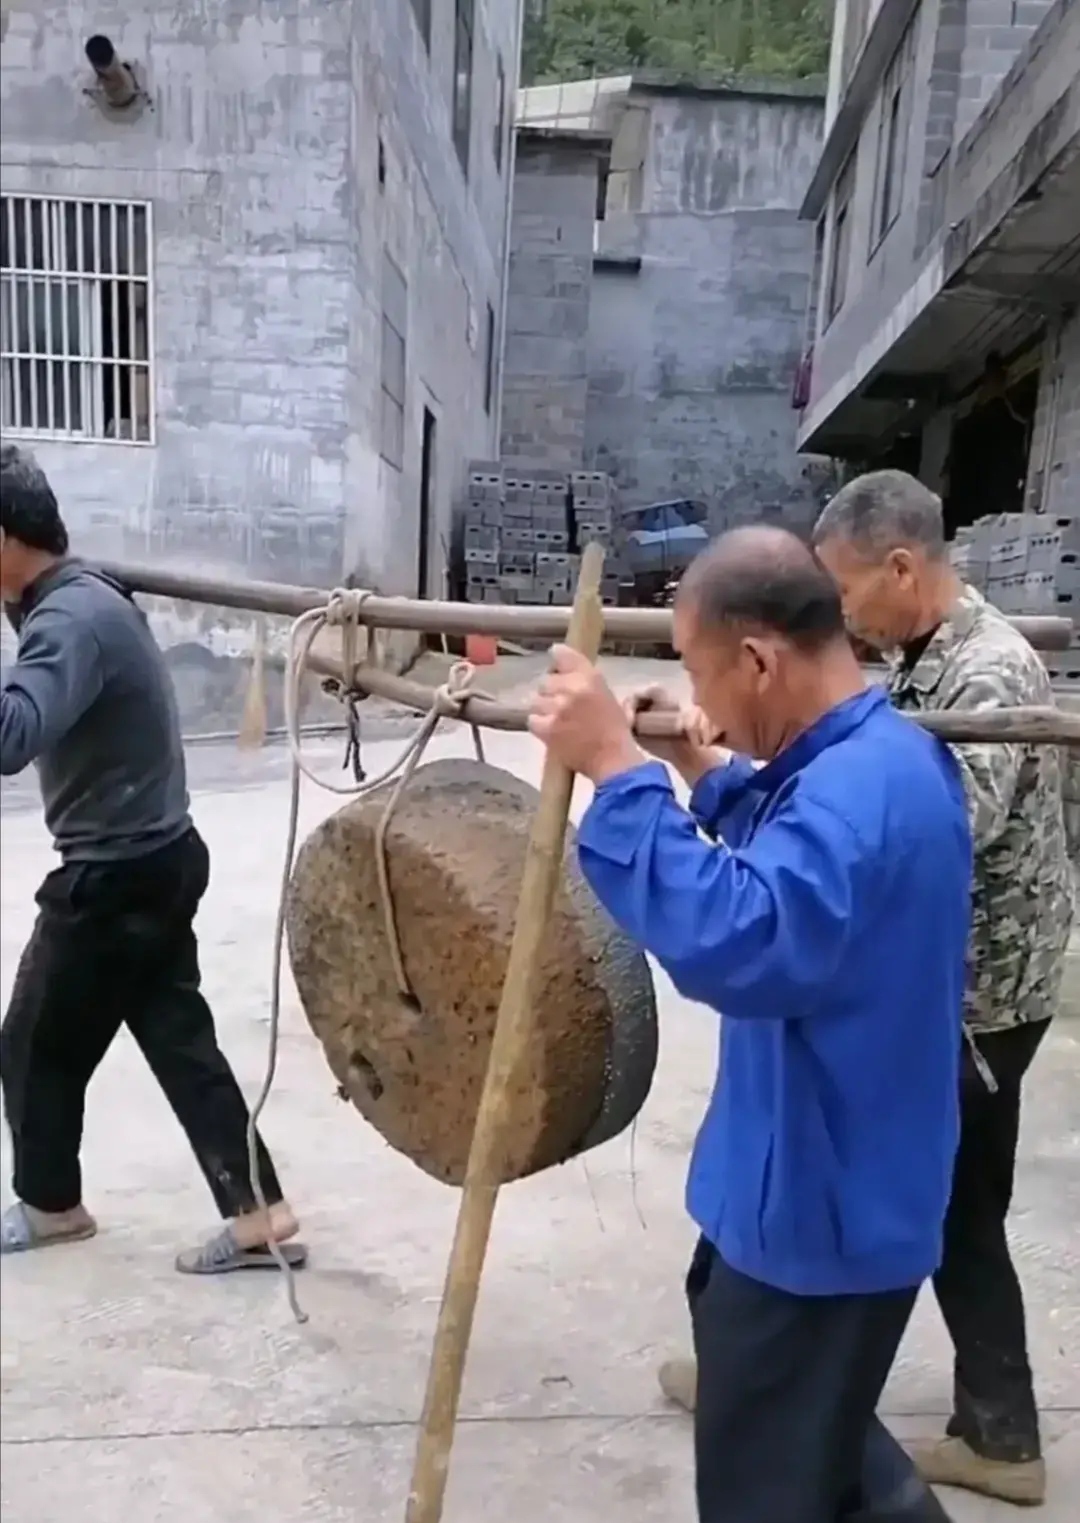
{"x":963,"y":54}
{"x":260,"y":158}
{"x":691,"y":361}
{"x":995,"y":31}
{"x":549,"y":291}
{"x":1054,"y":464}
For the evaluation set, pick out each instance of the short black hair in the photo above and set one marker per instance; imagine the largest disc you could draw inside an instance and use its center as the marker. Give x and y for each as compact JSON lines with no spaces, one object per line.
{"x":766,"y":578}
{"x":29,"y":512}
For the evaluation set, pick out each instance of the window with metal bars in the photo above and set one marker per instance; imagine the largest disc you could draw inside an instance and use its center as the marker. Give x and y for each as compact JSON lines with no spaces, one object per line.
{"x":75,"y":319}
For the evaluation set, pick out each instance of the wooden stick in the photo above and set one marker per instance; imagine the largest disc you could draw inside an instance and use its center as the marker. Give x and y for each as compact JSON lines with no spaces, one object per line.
{"x":539,"y":882}
{"x":1020,"y":726}
{"x":642,"y":626}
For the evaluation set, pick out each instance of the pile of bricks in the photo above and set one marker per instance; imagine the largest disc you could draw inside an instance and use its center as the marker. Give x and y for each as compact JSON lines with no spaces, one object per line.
{"x":1025,"y":563}
{"x":525,"y":530}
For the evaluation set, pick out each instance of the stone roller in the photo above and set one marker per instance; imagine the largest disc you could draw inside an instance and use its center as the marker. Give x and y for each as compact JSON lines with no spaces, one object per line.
{"x":414,"y":1067}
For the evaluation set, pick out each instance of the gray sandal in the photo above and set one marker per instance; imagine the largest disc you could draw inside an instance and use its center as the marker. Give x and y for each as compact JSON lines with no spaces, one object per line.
{"x":19,"y":1235}
{"x":223,"y":1255}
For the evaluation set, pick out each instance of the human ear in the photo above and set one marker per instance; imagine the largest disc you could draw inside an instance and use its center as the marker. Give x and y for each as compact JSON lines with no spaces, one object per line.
{"x":761,"y":655}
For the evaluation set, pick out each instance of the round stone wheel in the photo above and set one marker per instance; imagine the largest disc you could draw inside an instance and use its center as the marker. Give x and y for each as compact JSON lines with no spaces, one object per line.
{"x":414,"y":1067}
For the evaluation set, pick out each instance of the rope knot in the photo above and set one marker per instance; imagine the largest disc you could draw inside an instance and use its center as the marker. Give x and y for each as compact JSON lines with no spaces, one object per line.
{"x":456,"y":691}
{"x":344,"y":604}
{"x":342,"y":612}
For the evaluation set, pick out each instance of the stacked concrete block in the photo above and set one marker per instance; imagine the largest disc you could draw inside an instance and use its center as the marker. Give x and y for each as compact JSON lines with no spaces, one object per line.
{"x":525,"y":529}
{"x":537,"y":565}
{"x":970,"y":554}
{"x":483,"y":530}
{"x":1007,"y":554}
{"x":1033,"y":563}
{"x":595,"y":510}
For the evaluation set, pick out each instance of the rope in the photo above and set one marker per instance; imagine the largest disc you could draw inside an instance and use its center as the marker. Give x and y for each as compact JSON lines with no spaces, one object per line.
{"x":343,"y":610}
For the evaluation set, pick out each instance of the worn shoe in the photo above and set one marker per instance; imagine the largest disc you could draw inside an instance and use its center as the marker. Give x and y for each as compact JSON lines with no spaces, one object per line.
{"x":678,"y":1381}
{"x":952,"y":1462}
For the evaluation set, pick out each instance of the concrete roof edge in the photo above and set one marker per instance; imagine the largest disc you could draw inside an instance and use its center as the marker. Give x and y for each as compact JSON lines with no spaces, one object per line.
{"x":745,"y":86}
{"x":583,"y":138}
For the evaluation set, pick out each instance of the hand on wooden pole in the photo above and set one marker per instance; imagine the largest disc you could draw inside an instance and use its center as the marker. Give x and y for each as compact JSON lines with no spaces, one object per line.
{"x":539,"y":884}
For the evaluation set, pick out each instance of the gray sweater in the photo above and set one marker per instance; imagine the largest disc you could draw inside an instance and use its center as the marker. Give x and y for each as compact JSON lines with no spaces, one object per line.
{"x":89,"y":699}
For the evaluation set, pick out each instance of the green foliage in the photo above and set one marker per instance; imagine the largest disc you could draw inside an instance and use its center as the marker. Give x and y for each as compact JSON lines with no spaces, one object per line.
{"x":580,"y":39}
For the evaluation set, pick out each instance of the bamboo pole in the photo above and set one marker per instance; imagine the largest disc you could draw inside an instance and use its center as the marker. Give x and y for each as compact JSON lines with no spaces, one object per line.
{"x":539,"y":882}
{"x":644,"y":626}
{"x":1020,"y":726}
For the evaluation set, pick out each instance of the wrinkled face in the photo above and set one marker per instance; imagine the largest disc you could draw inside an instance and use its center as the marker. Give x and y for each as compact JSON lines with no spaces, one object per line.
{"x":739,"y":682}
{"x":882,"y":600}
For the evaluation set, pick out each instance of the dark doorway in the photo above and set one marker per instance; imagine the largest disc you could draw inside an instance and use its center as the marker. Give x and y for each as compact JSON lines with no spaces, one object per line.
{"x":427,"y":484}
{"x":988,"y":456}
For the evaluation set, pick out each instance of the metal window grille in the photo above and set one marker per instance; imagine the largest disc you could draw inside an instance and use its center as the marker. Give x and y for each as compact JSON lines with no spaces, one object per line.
{"x":76,"y":319}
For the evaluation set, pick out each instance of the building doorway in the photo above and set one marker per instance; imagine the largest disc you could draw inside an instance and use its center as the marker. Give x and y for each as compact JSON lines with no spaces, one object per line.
{"x":427,"y":494}
{"x":987,"y":466}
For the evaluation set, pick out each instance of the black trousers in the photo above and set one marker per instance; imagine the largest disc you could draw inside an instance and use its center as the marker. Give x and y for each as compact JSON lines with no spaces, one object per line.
{"x":785,"y":1426}
{"x":977,"y":1287}
{"x":114,"y":944}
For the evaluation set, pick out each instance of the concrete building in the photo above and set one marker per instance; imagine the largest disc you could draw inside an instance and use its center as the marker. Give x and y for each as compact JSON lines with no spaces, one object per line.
{"x":251,"y":315}
{"x":672,"y":367}
{"x":945,"y":323}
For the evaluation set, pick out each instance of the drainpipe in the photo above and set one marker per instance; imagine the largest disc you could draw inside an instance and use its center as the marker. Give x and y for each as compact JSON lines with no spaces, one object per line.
{"x":511,"y":166}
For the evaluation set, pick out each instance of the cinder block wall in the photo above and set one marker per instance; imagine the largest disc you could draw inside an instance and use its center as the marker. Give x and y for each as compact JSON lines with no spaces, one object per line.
{"x":547,"y":321}
{"x":693,"y":358}
{"x":1054,"y":463}
{"x":291,"y":148}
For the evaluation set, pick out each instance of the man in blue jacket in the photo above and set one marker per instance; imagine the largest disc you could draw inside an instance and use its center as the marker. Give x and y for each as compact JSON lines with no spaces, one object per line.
{"x":821,"y":1173}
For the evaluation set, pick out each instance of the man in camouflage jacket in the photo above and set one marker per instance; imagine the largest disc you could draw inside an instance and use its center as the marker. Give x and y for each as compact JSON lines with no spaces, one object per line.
{"x":882,"y":538}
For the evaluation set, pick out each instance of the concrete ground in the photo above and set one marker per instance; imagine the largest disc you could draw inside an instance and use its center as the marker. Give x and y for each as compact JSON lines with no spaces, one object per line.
{"x":128,"y":1391}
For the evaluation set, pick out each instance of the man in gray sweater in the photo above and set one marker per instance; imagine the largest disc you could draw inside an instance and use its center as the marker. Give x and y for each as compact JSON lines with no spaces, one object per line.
{"x":90,"y":702}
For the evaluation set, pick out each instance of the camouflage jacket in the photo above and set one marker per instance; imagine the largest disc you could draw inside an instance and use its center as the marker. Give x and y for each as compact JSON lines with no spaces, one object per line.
{"x":1022,"y":896}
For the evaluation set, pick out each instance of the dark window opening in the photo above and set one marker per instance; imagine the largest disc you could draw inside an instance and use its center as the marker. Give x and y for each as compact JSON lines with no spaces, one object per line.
{"x":986,"y":470}
{"x":489,"y":360}
{"x":840,"y":253}
{"x":463,"y":69}
{"x":422,"y":12}
{"x":382,"y":164}
{"x":892,"y":138}
{"x":602,"y":178}
{"x":500,"y":113}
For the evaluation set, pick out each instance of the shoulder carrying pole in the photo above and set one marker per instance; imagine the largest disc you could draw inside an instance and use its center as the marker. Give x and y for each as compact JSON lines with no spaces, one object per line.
{"x":539,"y":883}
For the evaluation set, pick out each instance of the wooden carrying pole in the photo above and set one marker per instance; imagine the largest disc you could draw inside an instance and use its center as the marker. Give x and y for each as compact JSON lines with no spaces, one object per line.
{"x":1019,"y":726}
{"x":539,"y":882}
{"x":643,"y":626}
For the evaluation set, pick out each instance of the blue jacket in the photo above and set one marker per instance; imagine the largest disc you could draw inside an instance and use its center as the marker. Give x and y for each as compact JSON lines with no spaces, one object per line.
{"x":830,"y":929}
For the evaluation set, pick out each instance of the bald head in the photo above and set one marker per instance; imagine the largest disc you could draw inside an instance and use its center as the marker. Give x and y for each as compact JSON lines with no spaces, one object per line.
{"x":765,"y":579}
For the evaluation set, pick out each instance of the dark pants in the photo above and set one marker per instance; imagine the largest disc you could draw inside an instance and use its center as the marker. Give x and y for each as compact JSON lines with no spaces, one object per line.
{"x":114,"y":944}
{"x":977,"y":1287}
{"x":785,"y":1427}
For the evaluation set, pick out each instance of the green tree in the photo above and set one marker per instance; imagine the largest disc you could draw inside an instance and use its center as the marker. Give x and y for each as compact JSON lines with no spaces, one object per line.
{"x":577,"y":39}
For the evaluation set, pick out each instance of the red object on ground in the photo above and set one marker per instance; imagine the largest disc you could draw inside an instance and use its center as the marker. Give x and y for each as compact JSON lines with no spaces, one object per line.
{"x":481,"y":650}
